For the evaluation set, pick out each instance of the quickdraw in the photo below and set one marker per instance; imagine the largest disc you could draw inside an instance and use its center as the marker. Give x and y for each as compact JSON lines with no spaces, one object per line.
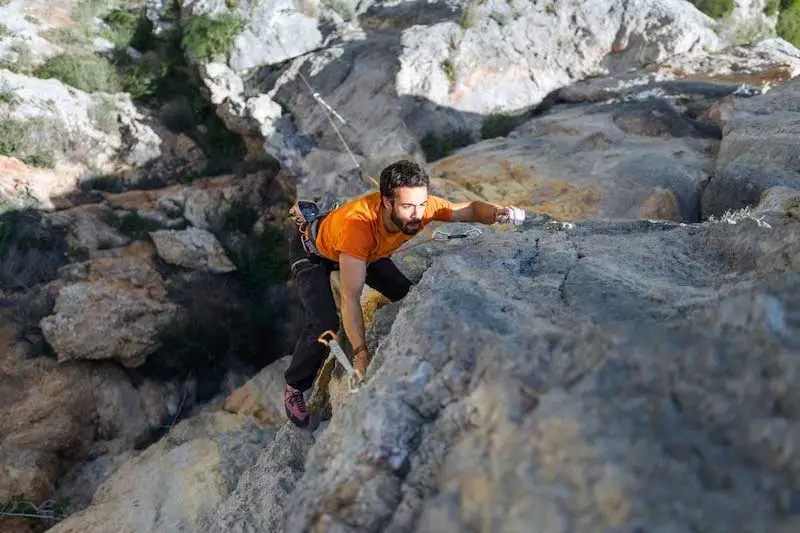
{"x":440,"y":235}
{"x":355,"y":379}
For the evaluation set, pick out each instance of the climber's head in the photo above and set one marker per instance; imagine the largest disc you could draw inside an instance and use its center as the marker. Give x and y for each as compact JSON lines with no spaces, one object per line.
{"x":404,"y":192}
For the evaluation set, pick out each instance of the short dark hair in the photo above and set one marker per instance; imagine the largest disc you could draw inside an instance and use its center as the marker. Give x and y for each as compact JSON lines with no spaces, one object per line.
{"x":403,"y":173}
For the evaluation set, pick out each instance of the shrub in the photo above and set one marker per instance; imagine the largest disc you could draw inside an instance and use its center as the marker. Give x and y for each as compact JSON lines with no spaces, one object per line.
{"x":16,"y":141}
{"x":789,"y":21}
{"x":204,"y":37}
{"x":715,"y":9}
{"x":122,"y":27}
{"x":137,"y":227}
{"x":435,"y":146}
{"x":87,"y":73}
{"x":771,"y":8}
{"x":31,"y":251}
{"x":499,"y":125}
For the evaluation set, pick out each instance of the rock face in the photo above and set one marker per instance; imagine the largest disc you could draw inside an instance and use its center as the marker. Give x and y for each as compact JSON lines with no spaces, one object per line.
{"x":758,"y":150}
{"x":99,"y":321}
{"x":86,"y":129}
{"x":277,"y":31}
{"x":54,"y":412}
{"x":628,"y":366}
{"x":396,"y":73}
{"x":596,"y":376}
{"x":177,"y":480}
{"x":192,"y":248}
{"x":639,"y":159}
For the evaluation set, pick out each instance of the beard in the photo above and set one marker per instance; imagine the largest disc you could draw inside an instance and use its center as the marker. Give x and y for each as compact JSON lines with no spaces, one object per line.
{"x":410,"y":227}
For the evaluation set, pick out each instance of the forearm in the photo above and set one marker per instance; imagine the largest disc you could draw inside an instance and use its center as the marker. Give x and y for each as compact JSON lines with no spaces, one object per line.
{"x":353,"y":321}
{"x":483,"y":212}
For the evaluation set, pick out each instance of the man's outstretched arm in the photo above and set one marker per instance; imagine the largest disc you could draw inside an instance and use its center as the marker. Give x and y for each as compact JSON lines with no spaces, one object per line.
{"x":352,"y":275}
{"x":485,"y":213}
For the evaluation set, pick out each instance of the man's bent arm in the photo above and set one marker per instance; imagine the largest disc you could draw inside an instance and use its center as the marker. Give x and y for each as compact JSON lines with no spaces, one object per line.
{"x":477,"y":211}
{"x":352,"y":275}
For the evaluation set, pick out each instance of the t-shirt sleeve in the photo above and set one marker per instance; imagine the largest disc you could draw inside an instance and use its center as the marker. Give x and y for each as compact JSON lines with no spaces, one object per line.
{"x":355,"y":238}
{"x":438,"y":209}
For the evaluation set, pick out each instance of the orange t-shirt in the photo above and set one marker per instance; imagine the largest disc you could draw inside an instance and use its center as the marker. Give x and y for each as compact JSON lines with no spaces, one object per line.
{"x":356,"y":228}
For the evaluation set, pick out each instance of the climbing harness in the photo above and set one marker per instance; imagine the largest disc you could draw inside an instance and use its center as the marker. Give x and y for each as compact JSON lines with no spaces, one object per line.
{"x":307,"y":217}
{"x":355,"y":378}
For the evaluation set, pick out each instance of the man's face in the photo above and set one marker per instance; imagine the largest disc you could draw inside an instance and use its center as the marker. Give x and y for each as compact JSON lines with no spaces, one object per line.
{"x":407,"y":208}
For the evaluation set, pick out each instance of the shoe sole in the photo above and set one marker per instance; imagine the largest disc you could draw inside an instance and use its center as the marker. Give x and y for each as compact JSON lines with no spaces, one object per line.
{"x":297,"y":421}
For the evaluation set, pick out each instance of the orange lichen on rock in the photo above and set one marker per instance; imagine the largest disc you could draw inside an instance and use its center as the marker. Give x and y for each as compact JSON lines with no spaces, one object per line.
{"x":661,"y":205}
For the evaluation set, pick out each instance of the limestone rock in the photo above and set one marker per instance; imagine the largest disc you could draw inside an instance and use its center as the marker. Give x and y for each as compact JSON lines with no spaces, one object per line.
{"x":176,"y":482}
{"x":758,"y":150}
{"x":405,"y":73}
{"x":257,"y":502}
{"x":514,"y":397}
{"x":262,"y":396}
{"x":193,"y":248}
{"x":101,"y":321}
{"x":633,"y":160}
{"x":57,"y":414}
{"x":90,"y":228}
{"x":81,"y":128}
{"x":278,"y":30}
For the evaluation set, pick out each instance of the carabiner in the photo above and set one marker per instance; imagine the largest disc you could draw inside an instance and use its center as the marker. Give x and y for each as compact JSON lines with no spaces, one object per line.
{"x":338,"y":353}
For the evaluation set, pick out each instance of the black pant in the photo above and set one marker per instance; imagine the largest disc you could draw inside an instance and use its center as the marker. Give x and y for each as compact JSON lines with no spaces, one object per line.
{"x":312,"y":279}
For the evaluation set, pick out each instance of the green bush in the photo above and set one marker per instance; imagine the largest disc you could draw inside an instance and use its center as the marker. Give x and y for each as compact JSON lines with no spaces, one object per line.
{"x":715,"y":9}
{"x":122,"y":27}
{"x":204,"y":38}
{"x":88,"y":73}
{"x":436,"y":147}
{"x":14,"y":137}
{"x":771,"y":9}
{"x":789,"y":21}
{"x":31,"y":249}
{"x":143,"y":78}
{"x":499,"y":125}
{"x":137,"y":227}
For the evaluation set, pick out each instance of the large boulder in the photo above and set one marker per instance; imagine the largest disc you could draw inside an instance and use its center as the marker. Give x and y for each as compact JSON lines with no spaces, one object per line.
{"x":192,"y":248}
{"x":758,"y":150}
{"x":115,"y":308}
{"x":637,"y":159}
{"x":173,"y":484}
{"x":56,"y":416}
{"x":601,"y":376}
{"x":88,"y":130}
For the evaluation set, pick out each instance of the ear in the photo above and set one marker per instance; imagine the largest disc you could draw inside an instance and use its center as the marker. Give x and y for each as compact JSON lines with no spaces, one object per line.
{"x":387,"y":203}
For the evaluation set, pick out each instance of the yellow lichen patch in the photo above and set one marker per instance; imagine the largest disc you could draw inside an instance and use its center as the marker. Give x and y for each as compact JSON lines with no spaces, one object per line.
{"x":792,"y":207}
{"x":489,"y":178}
{"x":564,"y":201}
{"x":505,"y":181}
{"x":661,"y":205}
{"x":247,"y":401}
{"x":370,"y":303}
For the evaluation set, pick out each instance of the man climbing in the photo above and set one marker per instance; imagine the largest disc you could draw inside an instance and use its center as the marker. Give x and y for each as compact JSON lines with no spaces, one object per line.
{"x":358,"y":239}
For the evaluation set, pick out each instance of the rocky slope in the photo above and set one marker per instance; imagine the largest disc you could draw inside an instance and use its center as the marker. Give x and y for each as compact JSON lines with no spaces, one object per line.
{"x":626,"y":365}
{"x":595,"y":376}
